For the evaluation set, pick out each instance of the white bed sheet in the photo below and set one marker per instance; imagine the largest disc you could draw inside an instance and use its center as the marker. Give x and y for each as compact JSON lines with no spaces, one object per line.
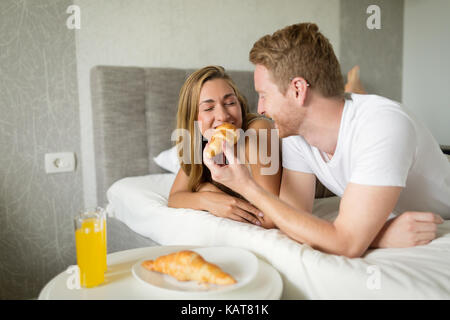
{"x":421,"y":272}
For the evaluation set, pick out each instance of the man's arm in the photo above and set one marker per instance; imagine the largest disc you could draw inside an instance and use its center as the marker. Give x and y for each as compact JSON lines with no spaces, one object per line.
{"x":407,"y":230}
{"x":362,"y":213}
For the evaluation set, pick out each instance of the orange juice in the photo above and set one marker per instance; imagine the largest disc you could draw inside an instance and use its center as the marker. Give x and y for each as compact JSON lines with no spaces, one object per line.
{"x":91,"y":252}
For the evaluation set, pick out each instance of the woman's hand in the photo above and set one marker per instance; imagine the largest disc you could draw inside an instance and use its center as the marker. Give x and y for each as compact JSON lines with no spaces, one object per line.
{"x":223,"y":205}
{"x":407,"y":230}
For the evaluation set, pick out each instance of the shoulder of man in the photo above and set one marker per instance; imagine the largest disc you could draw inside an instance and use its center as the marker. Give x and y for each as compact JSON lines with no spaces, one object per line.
{"x":372,"y":111}
{"x":369,"y":104}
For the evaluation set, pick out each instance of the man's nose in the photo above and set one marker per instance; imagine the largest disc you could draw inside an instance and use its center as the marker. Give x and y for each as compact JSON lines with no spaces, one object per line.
{"x":260,"y":107}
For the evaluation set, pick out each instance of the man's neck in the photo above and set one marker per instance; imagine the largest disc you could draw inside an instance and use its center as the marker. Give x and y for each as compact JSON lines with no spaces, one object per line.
{"x":320,"y":127}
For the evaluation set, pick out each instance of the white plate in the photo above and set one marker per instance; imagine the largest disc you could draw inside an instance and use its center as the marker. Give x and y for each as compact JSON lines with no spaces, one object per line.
{"x":241,"y":264}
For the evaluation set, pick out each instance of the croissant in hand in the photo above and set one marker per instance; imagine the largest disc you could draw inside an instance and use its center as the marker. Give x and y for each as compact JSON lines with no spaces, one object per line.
{"x":224,"y":132}
{"x":189,"y":265}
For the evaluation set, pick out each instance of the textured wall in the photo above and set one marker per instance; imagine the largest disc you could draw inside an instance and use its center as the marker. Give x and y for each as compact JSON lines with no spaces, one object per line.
{"x":179,"y":33}
{"x":377,"y":52}
{"x":38,"y":114}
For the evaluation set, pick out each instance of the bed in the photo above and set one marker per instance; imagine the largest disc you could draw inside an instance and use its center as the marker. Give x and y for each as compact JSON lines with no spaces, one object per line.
{"x":134,"y":114}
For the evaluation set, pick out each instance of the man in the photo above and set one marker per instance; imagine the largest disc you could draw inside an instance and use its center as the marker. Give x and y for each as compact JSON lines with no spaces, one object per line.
{"x":364,"y":148}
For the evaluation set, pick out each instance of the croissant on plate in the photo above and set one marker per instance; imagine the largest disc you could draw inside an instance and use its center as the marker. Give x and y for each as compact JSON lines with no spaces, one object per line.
{"x":188,"y":265}
{"x":224,"y":132}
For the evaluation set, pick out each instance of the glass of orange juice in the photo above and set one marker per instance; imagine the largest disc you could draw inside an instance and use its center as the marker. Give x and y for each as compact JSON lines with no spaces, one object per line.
{"x":90,"y":239}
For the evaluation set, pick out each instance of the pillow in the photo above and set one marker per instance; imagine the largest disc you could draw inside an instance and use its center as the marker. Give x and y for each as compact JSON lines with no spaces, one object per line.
{"x":168,"y":160}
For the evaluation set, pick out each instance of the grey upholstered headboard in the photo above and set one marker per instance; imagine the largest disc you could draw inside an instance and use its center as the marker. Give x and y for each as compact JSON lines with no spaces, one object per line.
{"x":134,"y":113}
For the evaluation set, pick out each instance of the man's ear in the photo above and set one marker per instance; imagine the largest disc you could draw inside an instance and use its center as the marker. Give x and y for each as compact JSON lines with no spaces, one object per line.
{"x":300,"y":88}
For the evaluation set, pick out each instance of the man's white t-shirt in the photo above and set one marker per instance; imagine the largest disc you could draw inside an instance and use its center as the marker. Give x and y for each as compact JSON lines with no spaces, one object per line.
{"x":380,"y":143}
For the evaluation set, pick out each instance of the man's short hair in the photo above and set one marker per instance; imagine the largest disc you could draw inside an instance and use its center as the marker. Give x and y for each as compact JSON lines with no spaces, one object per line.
{"x":300,"y":50}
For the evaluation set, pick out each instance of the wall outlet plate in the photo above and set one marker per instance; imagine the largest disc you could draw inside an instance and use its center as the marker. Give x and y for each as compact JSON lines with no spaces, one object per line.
{"x":59,"y":162}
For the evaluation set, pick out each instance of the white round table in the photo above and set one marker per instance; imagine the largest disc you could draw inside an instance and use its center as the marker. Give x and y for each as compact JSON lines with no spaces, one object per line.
{"x":121,"y":284}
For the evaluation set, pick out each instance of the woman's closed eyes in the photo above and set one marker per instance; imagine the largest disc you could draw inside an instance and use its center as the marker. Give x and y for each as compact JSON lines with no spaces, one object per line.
{"x":227,"y":104}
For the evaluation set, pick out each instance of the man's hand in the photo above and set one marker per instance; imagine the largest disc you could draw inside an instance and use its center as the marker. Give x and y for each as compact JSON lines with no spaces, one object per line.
{"x":234,"y":175}
{"x":408,"y":230}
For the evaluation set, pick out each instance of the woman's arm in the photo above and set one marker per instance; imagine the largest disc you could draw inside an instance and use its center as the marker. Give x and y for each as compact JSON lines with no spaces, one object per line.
{"x":266,"y":170}
{"x":210,"y":198}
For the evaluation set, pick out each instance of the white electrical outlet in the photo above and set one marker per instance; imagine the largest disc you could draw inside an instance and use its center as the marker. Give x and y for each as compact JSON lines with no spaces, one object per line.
{"x":59,"y":162}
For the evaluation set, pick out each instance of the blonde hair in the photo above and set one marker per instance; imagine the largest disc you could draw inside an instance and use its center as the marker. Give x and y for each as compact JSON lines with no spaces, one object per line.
{"x":188,"y":105}
{"x":300,"y":50}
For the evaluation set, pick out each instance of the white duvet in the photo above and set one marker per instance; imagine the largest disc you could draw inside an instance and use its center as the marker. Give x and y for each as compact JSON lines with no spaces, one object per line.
{"x":421,"y":272}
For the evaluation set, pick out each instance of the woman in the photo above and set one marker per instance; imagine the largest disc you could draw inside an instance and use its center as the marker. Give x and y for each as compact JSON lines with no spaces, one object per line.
{"x":210,"y":97}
